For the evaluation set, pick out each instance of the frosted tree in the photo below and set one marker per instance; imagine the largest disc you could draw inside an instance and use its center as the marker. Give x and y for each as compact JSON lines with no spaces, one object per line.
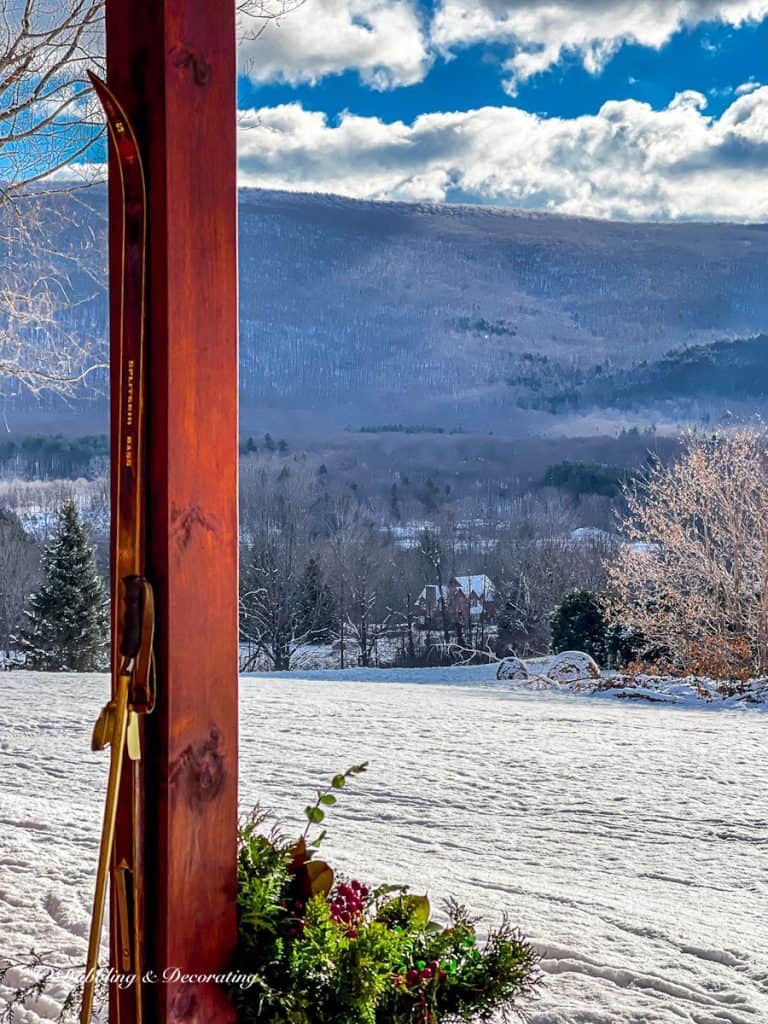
{"x":431,"y":550}
{"x":354,"y":557}
{"x":316,"y":607}
{"x":49,"y":120}
{"x":19,"y":566}
{"x":66,"y":618}
{"x":695,"y":583}
{"x":275,"y":621}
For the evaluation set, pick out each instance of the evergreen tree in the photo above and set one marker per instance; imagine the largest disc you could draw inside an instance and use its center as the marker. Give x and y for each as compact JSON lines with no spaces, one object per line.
{"x":579,"y":625}
{"x":394,"y":504}
{"x":66,"y":627}
{"x":316,"y":605}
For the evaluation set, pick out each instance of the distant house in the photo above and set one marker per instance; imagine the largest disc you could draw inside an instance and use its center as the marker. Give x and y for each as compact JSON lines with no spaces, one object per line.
{"x":467,"y":598}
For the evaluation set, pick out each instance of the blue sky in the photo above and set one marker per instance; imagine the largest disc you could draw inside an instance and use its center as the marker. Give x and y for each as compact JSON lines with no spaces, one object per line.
{"x":648,"y":110}
{"x":712,"y":58}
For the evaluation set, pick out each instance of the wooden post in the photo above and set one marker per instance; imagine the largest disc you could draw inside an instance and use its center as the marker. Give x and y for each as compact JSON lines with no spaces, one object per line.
{"x":171,"y":63}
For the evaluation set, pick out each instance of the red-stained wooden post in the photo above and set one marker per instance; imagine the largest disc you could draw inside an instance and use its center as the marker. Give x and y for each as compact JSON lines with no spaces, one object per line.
{"x":171,"y":63}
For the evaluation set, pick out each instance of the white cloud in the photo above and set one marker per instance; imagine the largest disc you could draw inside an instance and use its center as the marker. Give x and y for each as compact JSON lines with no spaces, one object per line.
{"x":390,"y":44}
{"x":383,"y":40}
{"x":747,"y":87}
{"x":628,"y":161}
{"x":541,"y":32}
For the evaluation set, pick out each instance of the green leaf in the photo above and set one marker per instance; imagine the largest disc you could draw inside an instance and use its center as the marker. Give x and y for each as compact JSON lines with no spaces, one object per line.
{"x":328,"y":799}
{"x":338,"y":782}
{"x":314,"y":814}
{"x":418,"y":909}
{"x":316,"y":842}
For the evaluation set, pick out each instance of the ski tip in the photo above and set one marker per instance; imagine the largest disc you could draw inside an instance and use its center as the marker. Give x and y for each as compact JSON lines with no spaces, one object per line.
{"x":96,"y":82}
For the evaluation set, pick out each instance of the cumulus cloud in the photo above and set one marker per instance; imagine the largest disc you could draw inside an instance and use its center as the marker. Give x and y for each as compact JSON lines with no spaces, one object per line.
{"x":541,"y":32}
{"x":628,"y":161}
{"x":383,"y":40}
{"x":392,"y":43}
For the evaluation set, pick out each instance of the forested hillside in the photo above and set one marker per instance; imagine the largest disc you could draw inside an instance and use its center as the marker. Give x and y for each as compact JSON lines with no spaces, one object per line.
{"x":359,"y":313}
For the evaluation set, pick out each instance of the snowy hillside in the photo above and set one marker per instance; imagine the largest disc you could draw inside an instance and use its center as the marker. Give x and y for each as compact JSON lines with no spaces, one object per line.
{"x":626,"y":839}
{"x":359,"y":313}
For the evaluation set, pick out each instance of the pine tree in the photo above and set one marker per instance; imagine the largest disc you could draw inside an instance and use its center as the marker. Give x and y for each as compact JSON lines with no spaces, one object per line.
{"x":66,"y":627}
{"x":316,"y":605}
{"x":394,"y":504}
{"x":578,"y":624}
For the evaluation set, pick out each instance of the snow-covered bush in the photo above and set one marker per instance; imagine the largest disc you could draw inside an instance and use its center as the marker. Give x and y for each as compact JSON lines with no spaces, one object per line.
{"x":572,"y":666}
{"x":512,"y":668}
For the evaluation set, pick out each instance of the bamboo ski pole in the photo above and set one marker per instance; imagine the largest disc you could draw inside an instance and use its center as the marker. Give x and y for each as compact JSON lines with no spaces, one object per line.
{"x":112,"y":729}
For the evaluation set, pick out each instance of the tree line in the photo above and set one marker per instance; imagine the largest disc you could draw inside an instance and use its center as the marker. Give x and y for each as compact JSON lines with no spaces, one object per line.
{"x":683,"y":584}
{"x":50,"y":457}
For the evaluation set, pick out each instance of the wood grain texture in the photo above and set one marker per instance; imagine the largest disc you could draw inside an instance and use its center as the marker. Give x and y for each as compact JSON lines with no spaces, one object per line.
{"x":172,"y":63}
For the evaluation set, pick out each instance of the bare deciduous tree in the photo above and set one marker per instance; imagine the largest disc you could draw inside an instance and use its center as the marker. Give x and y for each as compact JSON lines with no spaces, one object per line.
{"x":537,"y":573}
{"x":49,"y":117}
{"x":254,"y":16}
{"x":49,"y":120}
{"x":19,"y":572}
{"x":275,"y":517}
{"x":695,"y":584}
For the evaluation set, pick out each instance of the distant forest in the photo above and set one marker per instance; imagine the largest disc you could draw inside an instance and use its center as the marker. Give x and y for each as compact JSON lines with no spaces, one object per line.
{"x":732,"y":370}
{"x":416,"y":470}
{"x":52,"y":457}
{"x":384,"y":316}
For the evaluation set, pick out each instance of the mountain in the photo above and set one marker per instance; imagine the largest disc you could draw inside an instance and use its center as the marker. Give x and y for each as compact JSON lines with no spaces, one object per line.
{"x":362,"y":314}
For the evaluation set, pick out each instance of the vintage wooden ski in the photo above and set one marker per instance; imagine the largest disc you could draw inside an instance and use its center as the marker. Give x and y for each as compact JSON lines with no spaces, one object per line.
{"x":119,"y":724}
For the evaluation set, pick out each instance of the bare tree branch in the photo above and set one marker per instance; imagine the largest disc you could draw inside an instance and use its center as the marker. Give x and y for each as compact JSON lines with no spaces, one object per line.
{"x":254,"y":16}
{"x":49,"y":120}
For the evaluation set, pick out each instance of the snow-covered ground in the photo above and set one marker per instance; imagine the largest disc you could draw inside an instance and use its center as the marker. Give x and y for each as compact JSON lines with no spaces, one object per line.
{"x":627,"y":839}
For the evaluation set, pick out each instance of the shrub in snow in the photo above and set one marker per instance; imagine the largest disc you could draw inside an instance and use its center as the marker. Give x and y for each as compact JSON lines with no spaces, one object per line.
{"x":572,"y":667}
{"x":512,"y":668}
{"x":578,"y":622}
{"x":316,"y":949}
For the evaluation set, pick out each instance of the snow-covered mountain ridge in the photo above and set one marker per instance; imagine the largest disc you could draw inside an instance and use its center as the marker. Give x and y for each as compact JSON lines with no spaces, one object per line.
{"x":357,"y":313}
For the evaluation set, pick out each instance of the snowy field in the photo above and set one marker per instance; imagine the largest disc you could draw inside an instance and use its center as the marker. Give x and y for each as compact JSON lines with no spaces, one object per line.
{"x":628,"y":840}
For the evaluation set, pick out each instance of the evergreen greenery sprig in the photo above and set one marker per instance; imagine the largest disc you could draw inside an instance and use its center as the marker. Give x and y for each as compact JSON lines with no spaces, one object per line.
{"x":327,"y":798}
{"x":318,"y":950}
